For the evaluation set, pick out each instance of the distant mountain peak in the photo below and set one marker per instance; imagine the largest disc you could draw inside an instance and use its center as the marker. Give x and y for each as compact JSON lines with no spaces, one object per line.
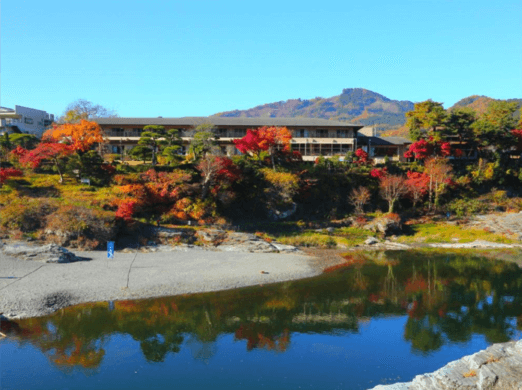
{"x":354,"y":105}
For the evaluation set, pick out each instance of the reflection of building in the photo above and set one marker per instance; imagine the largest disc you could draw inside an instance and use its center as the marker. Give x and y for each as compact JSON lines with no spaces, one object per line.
{"x":24,"y":119}
{"x":311,"y":137}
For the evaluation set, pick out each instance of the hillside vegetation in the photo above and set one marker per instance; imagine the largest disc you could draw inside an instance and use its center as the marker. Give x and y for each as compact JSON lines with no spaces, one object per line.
{"x":61,"y":189}
{"x":358,"y":106}
{"x":354,"y":105}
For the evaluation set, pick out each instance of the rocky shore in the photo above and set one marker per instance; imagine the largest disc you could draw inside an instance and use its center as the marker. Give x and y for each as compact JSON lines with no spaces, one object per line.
{"x":499,"y":367}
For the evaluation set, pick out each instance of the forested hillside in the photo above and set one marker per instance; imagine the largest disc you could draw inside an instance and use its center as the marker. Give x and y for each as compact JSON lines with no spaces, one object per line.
{"x":355,"y":105}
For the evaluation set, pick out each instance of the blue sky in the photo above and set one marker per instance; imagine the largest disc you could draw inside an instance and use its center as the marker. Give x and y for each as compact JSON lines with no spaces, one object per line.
{"x":190,"y":58}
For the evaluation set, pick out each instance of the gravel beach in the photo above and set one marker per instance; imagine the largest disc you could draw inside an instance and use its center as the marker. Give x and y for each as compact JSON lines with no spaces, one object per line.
{"x":31,"y":288}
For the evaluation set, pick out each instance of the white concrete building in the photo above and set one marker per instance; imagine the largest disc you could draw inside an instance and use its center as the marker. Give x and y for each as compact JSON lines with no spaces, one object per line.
{"x":25,"y":119}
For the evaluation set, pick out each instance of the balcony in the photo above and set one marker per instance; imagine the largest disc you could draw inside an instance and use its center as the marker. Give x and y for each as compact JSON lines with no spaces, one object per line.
{"x":124,"y":134}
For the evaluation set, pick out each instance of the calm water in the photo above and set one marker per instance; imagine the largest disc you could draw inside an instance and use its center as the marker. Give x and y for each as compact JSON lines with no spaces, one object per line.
{"x":378,"y":320}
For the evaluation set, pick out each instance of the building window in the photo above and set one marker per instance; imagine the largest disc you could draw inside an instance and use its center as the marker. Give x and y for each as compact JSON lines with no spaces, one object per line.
{"x":117,"y":132}
{"x":239,"y":133}
{"x":301,"y":133}
{"x":29,"y":121}
{"x":221,"y":132}
{"x":321,"y":133}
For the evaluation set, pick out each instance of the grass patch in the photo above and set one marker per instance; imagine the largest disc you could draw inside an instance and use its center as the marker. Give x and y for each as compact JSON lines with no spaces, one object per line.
{"x":352,"y":236}
{"x":441,"y":232}
{"x":309,"y":240}
{"x":343,"y":237}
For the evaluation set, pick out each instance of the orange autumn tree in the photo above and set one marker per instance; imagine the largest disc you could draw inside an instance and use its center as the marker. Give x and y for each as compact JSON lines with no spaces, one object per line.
{"x":81,"y":136}
{"x":161,"y":194}
{"x":392,"y":188}
{"x":269,"y":139}
{"x":438,"y":170}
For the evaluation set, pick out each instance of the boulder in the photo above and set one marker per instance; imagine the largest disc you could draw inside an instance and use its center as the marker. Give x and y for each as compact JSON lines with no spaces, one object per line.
{"x":162,"y":232}
{"x":383,"y":225}
{"x":371,"y":241}
{"x":212,"y":236}
{"x":50,"y":253}
{"x":499,"y":367}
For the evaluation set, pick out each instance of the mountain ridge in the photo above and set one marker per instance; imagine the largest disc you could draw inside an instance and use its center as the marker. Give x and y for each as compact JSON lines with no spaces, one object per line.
{"x":354,"y":105}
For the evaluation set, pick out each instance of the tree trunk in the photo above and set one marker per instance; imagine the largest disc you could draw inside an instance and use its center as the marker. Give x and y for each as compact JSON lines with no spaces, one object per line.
{"x":58,"y":169}
{"x":206,"y":186}
{"x":431,"y":193}
{"x":153,"y":155}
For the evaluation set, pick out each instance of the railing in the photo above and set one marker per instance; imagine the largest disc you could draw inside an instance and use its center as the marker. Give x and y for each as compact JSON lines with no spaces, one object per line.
{"x":123,"y":133}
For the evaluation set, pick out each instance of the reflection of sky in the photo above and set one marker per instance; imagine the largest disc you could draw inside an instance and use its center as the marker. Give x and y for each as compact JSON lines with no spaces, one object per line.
{"x":376,"y":354}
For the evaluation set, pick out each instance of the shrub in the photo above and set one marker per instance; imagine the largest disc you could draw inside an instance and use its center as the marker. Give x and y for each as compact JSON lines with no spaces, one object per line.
{"x":111,"y":157}
{"x":467,"y":207}
{"x":514,"y":204}
{"x":7,"y":173}
{"x":360,"y":221}
{"x":393,"y":217}
{"x":281,"y":187}
{"x":89,"y":227}
{"x":26,"y":215}
{"x":359,"y":197}
{"x":499,"y":197}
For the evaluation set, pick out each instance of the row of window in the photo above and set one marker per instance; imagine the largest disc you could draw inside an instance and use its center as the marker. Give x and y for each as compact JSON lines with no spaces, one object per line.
{"x":304,"y":149}
{"x":239,"y":133}
{"x":25,"y":120}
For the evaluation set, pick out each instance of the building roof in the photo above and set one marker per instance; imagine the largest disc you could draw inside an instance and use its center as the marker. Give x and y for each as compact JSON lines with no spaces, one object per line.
{"x":8,"y":113}
{"x":383,"y":141}
{"x":226,"y":121}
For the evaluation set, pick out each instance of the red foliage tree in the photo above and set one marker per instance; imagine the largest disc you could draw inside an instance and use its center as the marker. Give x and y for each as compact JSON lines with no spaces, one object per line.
{"x":250,"y":143}
{"x":445,"y":149}
{"x":379,"y":173}
{"x":362,"y":155}
{"x":6,"y":173}
{"x":423,"y":149}
{"x":265,"y":138}
{"x":420,"y":149}
{"x":217,"y":171}
{"x":52,"y":151}
{"x":18,"y":151}
{"x":417,"y":185}
{"x":458,"y":153}
{"x":153,"y":192}
{"x":126,"y":210}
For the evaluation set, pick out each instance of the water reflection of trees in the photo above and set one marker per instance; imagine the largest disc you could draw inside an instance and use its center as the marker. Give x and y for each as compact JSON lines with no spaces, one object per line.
{"x":447,"y":300}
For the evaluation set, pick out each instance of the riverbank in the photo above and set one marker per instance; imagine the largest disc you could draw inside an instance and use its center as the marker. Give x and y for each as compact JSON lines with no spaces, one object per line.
{"x":31,"y":288}
{"x":498,"y":367}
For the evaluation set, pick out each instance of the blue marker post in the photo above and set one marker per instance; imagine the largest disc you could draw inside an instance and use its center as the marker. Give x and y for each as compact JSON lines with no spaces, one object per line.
{"x":110,"y":249}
